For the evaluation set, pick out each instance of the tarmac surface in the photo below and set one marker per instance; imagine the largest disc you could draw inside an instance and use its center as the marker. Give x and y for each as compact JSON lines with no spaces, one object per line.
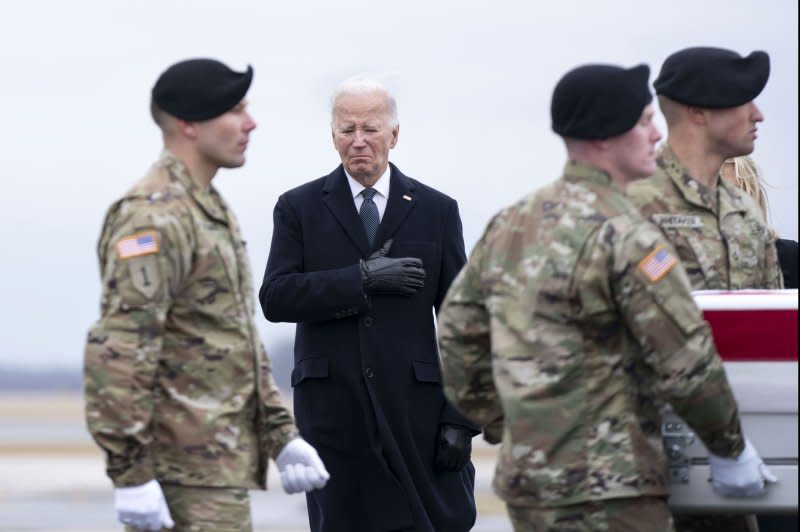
{"x":52,"y":477}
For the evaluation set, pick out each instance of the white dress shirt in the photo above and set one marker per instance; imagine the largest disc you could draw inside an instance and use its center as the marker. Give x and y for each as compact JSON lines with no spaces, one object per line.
{"x":381,"y":192}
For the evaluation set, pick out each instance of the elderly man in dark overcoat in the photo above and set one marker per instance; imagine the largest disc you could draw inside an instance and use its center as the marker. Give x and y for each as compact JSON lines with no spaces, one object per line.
{"x":360,"y":259}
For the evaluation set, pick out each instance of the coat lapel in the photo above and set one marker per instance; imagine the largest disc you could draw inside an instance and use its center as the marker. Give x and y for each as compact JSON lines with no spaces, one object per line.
{"x":402,"y":199}
{"x":337,"y":196}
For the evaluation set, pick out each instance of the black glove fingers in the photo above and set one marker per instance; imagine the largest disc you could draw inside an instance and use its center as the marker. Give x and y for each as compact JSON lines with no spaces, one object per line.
{"x":453,"y":449}
{"x":411,"y":262}
{"x":385,"y":248}
{"x":414,"y":283}
{"x":388,"y":275}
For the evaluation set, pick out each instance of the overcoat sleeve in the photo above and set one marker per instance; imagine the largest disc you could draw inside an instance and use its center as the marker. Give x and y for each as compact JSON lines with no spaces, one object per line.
{"x":289,"y":293}
{"x":787,"y":257}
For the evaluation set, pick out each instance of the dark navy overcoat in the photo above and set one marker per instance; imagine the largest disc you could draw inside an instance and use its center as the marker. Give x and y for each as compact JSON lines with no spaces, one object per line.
{"x":366,"y":378}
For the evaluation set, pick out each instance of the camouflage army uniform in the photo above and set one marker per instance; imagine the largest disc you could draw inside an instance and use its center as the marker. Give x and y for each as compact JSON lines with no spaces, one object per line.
{"x":573,"y":320}
{"x":207,"y":509}
{"x":724,"y":244}
{"x":178,"y":386}
{"x":719,"y":234}
{"x":640,"y":514}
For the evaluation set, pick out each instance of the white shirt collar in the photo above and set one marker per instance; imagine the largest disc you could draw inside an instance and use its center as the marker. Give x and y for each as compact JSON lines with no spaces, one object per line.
{"x":381,"y":186}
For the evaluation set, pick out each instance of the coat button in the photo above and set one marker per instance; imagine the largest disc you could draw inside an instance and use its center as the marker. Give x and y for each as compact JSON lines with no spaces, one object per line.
{"x":338,"y":315}
{"x":369,"y":373}
{"x":368,"y":321}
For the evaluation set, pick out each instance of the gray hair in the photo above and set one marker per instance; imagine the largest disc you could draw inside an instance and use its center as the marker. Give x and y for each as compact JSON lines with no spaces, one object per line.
{"x":365,"y":85}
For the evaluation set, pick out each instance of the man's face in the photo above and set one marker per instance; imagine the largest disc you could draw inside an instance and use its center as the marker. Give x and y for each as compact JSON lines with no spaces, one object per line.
{"x":732,"y":131}
{"x":223,"y":140}
{"x":362,"y":134}
{"x":634,"y":152}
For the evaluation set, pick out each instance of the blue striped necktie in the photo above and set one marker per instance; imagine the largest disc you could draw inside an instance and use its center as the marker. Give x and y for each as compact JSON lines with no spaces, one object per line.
{"x":369,"y":215}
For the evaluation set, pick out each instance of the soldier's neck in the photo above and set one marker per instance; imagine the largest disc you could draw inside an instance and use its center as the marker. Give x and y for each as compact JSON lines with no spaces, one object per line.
{"x":200,"y":169}
{"x":701,"y":165}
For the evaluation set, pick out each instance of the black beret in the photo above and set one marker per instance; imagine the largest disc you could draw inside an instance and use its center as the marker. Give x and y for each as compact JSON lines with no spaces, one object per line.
{"x":200,"y":89}
{"x":599,"y":101}
{"x":712,"y":78}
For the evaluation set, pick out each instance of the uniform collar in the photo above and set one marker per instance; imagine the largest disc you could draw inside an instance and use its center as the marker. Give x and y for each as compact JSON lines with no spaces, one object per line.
{"x":692,"y":190}
{"x":578,"y":171}
{"x":208,"y":198}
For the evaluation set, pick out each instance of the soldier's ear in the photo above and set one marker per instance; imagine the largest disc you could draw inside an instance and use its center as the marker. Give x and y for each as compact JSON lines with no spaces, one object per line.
{"x":697,"y":115}
{"x":600,"y":145}
{"x":187,"y":129}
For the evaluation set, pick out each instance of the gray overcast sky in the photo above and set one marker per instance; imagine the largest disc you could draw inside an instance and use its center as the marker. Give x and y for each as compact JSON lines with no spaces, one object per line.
{"x":473,"y":82}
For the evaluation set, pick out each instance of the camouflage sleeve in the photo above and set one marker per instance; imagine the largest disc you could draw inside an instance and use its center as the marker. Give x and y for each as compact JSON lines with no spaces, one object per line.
{"x":144,"y":254}
{"x":773,"y":275}
{"x":465,"y":345}
{"x":276,"y":423}
{"x":652,"y":289}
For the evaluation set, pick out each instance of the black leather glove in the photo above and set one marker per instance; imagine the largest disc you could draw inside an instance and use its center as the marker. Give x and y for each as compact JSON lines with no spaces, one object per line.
{"x":453,"y":448}
{"x":493,"y":432}
{"x":384,"y":275}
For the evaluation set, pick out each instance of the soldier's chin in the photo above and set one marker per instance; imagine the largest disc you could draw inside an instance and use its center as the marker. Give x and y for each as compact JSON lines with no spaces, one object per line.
{"x":648,"y":168}
{"x":233,"y":163}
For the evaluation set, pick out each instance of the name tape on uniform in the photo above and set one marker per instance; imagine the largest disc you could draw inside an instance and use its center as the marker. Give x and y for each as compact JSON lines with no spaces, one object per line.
{"x":145,"y":243}
{"x":677,"y":220}
{"x":658,"y":263}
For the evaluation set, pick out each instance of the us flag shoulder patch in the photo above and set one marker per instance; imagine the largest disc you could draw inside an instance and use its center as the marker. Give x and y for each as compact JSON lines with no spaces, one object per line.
{"x":144,"y":243}
{"x":658,"y":263}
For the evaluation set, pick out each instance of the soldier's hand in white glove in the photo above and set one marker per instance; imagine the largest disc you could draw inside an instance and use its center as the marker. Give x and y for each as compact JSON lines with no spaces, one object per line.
{"x":301,"y":467}
{"x":744,"y":476}
{"x":143,"y":506}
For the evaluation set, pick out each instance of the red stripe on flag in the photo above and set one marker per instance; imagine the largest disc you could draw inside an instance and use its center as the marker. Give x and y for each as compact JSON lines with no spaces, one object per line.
{"x":754,"y":335}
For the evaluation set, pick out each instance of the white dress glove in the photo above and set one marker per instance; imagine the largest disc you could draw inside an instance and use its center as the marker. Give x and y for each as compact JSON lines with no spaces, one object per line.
{"x":143,"y":506}
{"x":301,"y":467}
{"x":744,"y":476}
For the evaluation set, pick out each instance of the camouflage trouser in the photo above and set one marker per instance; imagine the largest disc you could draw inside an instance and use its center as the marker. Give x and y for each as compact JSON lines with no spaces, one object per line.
{"x":712,"y":523}
{"x":196,"y":509}
{"x":640,"y":514}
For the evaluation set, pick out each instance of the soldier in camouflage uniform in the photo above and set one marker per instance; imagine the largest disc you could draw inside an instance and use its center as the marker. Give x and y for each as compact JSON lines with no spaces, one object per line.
{"x":178,"y":387}
{"x":706,"y":95}
{"x":572,"y":324}
{"x":718,"y":231}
